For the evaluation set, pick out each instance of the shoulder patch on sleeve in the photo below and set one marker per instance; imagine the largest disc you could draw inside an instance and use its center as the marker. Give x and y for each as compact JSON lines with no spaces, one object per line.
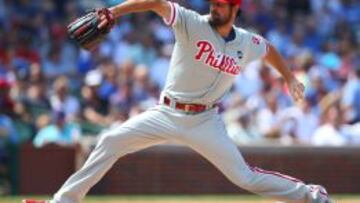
{"x":256,"y":40}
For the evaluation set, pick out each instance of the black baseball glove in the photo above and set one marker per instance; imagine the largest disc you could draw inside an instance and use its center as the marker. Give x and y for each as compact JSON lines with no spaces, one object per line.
{"x":88,"y":31}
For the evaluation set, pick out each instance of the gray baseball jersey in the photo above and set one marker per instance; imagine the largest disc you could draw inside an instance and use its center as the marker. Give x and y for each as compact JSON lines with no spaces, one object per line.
{"x":203,"y":66}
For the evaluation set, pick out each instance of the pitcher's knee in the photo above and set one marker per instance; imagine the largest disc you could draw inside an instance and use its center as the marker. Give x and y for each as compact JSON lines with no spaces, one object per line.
{"x":106,"y":140}
{"x":244,"y":179}
{"x":113,"y":140}
{"x":247,"y":182}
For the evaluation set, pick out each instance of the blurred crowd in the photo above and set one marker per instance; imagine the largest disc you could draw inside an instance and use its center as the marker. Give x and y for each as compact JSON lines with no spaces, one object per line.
{"x":320,"y":41}
{"x":53,"y":92}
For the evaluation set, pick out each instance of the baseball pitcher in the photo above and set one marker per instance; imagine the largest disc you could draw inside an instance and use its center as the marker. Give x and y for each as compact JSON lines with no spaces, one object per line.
{"x":208,"y":54}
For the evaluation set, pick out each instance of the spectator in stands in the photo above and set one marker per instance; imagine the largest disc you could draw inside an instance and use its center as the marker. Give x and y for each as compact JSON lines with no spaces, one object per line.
{"x":330,"y":131}
{"x":123,"y":99}
{"x":307,"y":123}
{"x":53,"y":64}
{"x":62,"y":101}
{"x":59,"y":132}
{"x":351,"y":97}
{"x":141,"y":83}
{"x":36,"y":100}
{"x":94,"y":109}
{"x":269,"y":120}
{"x":36,"y":74}
{"x":317,"y":90}
{"x":242,"y":129}
{"x":108,"y":85}
{"x":127,"y":69}
{"x":8,"y":134}
{"x":6,"y":102}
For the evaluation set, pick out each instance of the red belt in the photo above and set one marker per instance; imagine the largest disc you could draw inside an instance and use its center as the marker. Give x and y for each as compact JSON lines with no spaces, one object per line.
{"x":189,"y":108}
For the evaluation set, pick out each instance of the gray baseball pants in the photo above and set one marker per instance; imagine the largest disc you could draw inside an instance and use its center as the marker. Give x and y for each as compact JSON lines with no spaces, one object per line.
{"x":205,"y":133}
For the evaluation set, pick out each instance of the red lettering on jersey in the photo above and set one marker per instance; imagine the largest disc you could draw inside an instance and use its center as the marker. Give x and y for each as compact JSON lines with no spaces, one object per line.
{"x":210,"y":58}
{"x":220,"y":61}
{"x":204,"y":47}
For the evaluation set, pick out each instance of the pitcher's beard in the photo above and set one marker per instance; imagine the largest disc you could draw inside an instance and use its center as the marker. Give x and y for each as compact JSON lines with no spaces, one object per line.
{"x":215,"y":23}
{"x":218,"y":22}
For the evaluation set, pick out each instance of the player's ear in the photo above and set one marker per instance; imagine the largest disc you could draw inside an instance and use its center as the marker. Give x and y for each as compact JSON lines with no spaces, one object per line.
{"x":238,"y":10}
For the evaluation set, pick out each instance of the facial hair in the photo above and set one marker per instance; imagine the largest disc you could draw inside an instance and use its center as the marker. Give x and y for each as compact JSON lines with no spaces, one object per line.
{"x":217,"y":21}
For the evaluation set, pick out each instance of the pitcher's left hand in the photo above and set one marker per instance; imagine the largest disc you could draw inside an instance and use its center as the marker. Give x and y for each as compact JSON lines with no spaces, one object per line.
{"x":296,"y":89}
